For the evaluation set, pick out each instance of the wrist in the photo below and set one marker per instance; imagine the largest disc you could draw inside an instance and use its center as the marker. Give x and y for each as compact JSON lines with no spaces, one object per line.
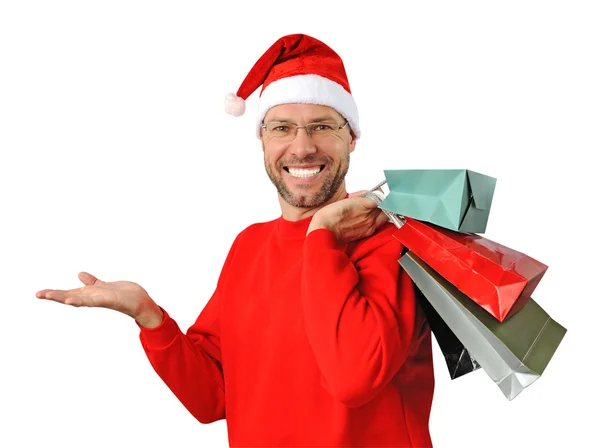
{"x":318,"y":222}
{"x":151,"y":316}
{"x":321,"y":223}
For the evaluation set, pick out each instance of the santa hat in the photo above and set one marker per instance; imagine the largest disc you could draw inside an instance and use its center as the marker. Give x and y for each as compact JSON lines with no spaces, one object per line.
{"x":297,"y":69}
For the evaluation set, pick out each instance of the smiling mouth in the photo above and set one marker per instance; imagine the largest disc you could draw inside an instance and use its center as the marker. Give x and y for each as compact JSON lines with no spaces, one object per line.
{"x":304,"y":172}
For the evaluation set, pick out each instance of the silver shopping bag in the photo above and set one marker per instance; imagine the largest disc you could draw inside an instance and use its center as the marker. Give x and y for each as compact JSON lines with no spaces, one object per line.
{"x":514,"y":353}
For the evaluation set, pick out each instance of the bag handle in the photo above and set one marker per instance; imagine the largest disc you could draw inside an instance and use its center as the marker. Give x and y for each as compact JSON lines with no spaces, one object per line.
{"x":377,"y":195}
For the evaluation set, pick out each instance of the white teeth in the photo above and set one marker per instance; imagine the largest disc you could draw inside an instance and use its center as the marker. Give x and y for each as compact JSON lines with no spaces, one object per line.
{"x":304,"y":172}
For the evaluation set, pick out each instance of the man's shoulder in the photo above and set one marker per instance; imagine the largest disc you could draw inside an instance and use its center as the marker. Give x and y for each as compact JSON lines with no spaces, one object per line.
{"x":383,"y":237}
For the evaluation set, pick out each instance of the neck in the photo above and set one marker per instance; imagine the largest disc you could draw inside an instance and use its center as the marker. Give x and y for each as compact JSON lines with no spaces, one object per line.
{"x":292,"y":213}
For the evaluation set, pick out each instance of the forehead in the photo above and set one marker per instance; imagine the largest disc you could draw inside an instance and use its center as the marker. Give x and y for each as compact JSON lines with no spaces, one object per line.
{"x":302,"y":113}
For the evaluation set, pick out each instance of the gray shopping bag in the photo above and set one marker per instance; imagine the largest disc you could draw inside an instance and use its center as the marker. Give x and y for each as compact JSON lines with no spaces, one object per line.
{"x":514,"y":353}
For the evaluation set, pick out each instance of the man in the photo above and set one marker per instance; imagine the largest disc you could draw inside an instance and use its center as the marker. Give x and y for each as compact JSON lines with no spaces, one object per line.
{"x":313,"y":336}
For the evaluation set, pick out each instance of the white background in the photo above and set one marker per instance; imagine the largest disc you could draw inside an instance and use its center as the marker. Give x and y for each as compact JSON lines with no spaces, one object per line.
{"x":117,"y":159}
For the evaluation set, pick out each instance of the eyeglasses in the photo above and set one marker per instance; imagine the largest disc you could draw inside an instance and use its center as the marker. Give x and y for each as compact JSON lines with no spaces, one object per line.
{"x":286,"y":132}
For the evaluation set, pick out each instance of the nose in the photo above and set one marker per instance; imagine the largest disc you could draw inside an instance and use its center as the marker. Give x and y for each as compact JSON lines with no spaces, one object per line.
{"x":302,"y":145}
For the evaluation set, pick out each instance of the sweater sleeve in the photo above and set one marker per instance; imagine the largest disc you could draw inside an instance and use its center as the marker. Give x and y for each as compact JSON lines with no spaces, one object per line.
{"x":190,"y":364}
{"x":359,"y":314}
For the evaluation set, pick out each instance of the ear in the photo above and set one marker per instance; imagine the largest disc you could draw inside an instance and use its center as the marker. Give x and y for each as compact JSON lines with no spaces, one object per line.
{"x":262,"y":140}
{"x":352,"y":143}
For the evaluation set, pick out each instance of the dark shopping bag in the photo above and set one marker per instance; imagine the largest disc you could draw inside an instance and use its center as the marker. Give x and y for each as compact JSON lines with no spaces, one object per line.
{"x":457,"y":357}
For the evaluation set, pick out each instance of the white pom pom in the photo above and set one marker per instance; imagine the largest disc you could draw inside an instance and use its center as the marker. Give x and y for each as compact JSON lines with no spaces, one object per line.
{"x":234,"y":105}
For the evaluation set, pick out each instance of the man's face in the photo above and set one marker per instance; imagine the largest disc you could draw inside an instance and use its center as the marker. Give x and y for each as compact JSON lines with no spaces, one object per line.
{"x":307,"y":172}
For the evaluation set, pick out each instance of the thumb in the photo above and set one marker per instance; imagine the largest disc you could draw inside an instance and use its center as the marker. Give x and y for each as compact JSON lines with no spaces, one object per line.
{"x":89,"y":279}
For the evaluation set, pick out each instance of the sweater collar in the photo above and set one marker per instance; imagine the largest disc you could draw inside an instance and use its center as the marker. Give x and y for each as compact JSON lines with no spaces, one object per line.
{"x":293,"y":229}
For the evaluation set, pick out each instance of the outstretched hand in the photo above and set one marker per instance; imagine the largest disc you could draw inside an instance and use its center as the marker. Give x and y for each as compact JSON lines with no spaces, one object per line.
{"x":122,"y":296}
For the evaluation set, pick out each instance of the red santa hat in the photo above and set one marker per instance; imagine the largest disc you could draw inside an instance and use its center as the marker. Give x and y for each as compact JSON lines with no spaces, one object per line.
{"x":297,"y":69}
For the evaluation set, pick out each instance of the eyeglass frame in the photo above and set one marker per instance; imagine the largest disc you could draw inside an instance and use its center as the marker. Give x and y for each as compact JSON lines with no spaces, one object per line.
{"x":305,"y":127}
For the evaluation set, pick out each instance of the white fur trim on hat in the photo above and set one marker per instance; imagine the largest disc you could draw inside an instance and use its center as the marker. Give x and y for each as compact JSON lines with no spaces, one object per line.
{"x":308,"y":89}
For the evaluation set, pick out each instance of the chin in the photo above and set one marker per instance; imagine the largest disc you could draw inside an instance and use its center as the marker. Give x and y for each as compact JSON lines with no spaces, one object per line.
{"x":305,"y":199}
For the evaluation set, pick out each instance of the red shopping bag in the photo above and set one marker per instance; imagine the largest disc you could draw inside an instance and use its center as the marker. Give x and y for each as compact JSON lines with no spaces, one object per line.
{"x":497,"y":278}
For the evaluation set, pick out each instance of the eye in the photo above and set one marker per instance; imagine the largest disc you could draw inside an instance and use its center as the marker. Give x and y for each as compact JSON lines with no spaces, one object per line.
{"x":321,"y":127}
{"x":281,"y":128}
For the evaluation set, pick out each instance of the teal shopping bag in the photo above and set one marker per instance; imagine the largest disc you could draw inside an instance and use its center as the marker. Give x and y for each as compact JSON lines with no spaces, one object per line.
{"x":458,"y":200}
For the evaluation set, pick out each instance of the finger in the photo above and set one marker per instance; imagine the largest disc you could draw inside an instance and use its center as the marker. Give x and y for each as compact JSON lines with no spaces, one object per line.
{"x":381,"y":219}
{"x":89,"y":279}
{"x":56,"y":295}
{"x":369,"y":203}
{"x":42,"y":293}
{"x":75,"y":297}
{"x":74,"y":301}
{"x":81,"y":299}
{"x":357,"y":193}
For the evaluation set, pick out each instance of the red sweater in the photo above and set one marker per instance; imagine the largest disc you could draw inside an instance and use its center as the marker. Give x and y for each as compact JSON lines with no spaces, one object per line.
{"x":305,"y":343}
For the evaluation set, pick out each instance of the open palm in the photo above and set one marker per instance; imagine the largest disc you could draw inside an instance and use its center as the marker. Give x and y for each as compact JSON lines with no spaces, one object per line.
{"x":123,"y":296}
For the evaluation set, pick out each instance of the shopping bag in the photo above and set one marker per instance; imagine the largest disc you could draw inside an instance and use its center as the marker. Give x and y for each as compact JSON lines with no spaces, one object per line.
{"x":458,"y":200}
{"x":499,"y":279}
{"x":514,"y":353}
{"x":458,"y":359}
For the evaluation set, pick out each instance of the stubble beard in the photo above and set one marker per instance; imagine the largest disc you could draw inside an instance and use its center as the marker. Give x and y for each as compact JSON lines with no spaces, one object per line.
{"x":329,"y":187}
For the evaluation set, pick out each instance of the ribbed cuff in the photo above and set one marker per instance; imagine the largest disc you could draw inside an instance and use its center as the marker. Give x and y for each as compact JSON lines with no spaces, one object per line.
{"x":161,"y":336}
{"x":322,"y":238}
